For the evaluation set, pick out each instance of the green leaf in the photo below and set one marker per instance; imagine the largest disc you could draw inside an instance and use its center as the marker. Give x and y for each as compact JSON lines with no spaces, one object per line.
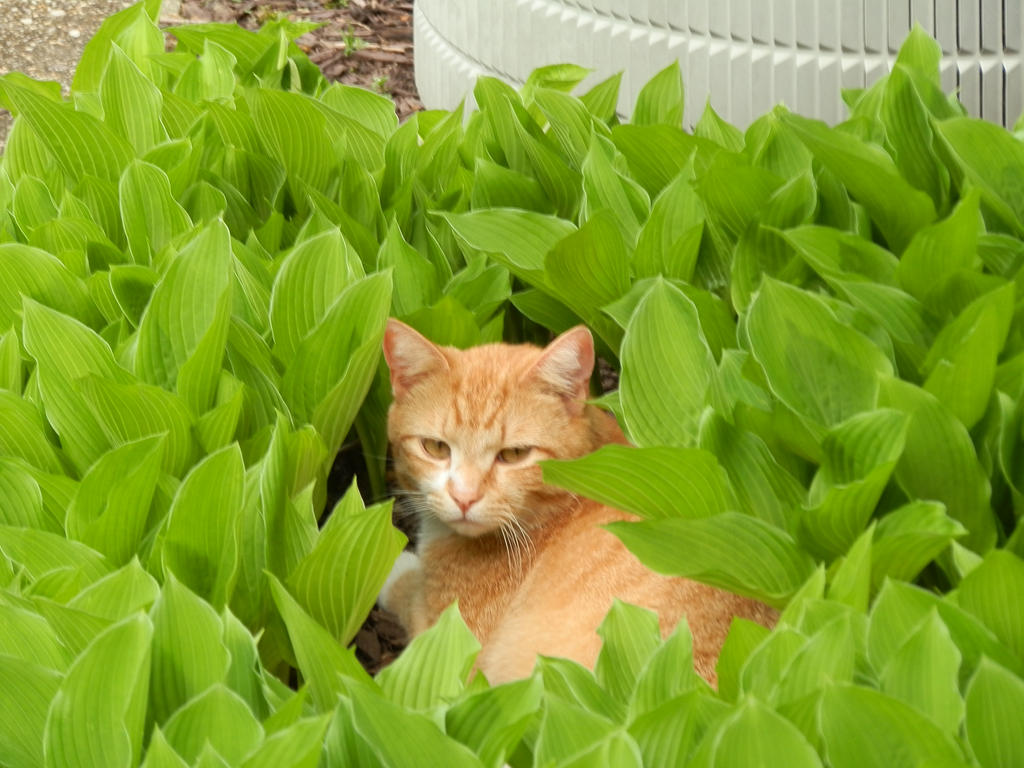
{"x":31,"y":272}
{"x":862,"y":444}
{"x":939,"y":461}
{"x":666,"y":369}
{"x":666,"y":674}
{"x":82,"y":145}
{"x":756,"y":735}
{"x":24,"y":700}
{"x":131,"y":412}
{"x":839,"y":256}
{"x":518,"y":239}
{"x":629,"y":635}
{"x":670,"y":733}
{"x":763,"y":488}
{"x":415,"y":279}
{"x":134,"y":30}
{"x":602,"y":99}
{"x":309,"y":281}
{"x":829,"y":527}
{"x":119,"y":594}
{"x":850,"y":581}
{"x":65,"y":350}
{"x":743,"y":638}
{"x":556,"y":77}
{"x":185,"y":661}
{"x":297,"y":746}
{"x":435,"y":666}
{"x":246,"y":46}
{"x":992,"y":160}
{"x":28,"y":638}
{"x":160,"y":754}
{"x":714,"y":128}
{"x":994,"y":696}
{"x":818,"y":366}
{"x":377,"y":720}
{"x":654,"y":483}
{"x":733,"y":195}
{"x":200,"y":541}
{"x":495,"y":186}
{"x":98,"y":714}
{"x":323,"y":662}
{"x":243,"y":675}
{"x":736,"y":552}
{"x":338,"y":581}
{"x":131,"y":102}
{"x":294,"y":132}
{"x":216,"y":718}
{"x":10,"y":362}
{"x":908,"y":127}
{"x":827,"y":657}
{"x":184,"y":329}
{"x":219,"y":425}
{"x":151,"y":217}
{"x":111,"y":509}
{"x":660,"y":101}
{"x":588,"y":269}
{"x":568,"y":731}
{"x":572,"y":682}
{"x":871,"y":177}
{"x":864,"y":728}
{"x":569,"y":122}
{"x":334,"y":365}
{"x":605,"y":188}
{"x":492,"y":722}
{"x":40,"y":552}
{"x":372,"y":110}
{"x":924,"y":673}
{"x":901,"y":607}
{"x":481,"y":286}
{"x":669,"y":240}
{"x":961,"y":365}
{"x":23,"y":434}
{"x":988,"y":593}
{"x":909,"y":538}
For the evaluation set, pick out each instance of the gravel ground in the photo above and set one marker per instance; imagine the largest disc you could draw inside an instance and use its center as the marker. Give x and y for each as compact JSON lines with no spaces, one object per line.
{"x":362,"y":42}
{"x":44,"y":38}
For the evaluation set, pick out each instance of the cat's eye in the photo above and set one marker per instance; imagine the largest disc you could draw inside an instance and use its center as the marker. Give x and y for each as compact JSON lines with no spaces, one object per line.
{"x":437,"y":449}
{"x":514,"y":455}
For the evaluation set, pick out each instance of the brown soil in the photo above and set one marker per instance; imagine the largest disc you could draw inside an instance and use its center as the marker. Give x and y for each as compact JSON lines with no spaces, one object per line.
{"x":362,"y":42}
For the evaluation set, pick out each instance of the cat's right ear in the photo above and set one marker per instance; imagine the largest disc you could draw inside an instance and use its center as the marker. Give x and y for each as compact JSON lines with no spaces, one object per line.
{"x":410,"y":356}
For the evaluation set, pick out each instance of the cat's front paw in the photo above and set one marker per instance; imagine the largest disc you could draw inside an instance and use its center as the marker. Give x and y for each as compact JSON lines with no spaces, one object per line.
{"x":406,"y":563}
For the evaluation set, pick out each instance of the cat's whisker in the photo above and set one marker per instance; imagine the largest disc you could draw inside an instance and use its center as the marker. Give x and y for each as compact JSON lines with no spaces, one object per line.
{"x":505,"y":537}
{"x":412,"y":504}
{"x":517,"y":540}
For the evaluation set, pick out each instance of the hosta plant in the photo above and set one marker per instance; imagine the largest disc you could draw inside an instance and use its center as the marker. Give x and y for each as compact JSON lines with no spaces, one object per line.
{"x":821,"y":357}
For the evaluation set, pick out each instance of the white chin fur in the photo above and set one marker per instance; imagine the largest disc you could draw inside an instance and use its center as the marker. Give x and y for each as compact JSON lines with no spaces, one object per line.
{"x":470,"y":528}
{"x":407,"y":561}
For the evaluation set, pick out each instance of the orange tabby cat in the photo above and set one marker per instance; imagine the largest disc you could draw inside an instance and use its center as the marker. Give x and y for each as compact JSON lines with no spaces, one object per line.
{"x":531,"y":568}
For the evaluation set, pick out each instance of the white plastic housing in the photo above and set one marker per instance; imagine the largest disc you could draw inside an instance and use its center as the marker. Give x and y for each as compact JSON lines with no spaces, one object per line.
{"x":743,"y":55}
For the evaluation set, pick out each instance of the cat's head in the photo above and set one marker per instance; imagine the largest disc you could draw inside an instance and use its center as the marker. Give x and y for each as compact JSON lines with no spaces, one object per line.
{"x":467,"y":427}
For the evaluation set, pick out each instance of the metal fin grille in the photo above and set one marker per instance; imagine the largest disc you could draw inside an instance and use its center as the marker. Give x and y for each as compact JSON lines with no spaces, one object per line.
{"x":742,"y":55}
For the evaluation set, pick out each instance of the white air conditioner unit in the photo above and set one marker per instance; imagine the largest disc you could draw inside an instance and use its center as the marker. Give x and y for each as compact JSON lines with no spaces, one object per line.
{"x":743,"y":55}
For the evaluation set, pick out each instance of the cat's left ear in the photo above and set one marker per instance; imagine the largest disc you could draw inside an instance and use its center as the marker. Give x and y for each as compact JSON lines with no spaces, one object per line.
{"x":566,"y":366}
{"x":410,"y":356}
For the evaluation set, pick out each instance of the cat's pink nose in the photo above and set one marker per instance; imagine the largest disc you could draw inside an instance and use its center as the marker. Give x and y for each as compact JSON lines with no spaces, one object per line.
{"x":464,"y":498}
